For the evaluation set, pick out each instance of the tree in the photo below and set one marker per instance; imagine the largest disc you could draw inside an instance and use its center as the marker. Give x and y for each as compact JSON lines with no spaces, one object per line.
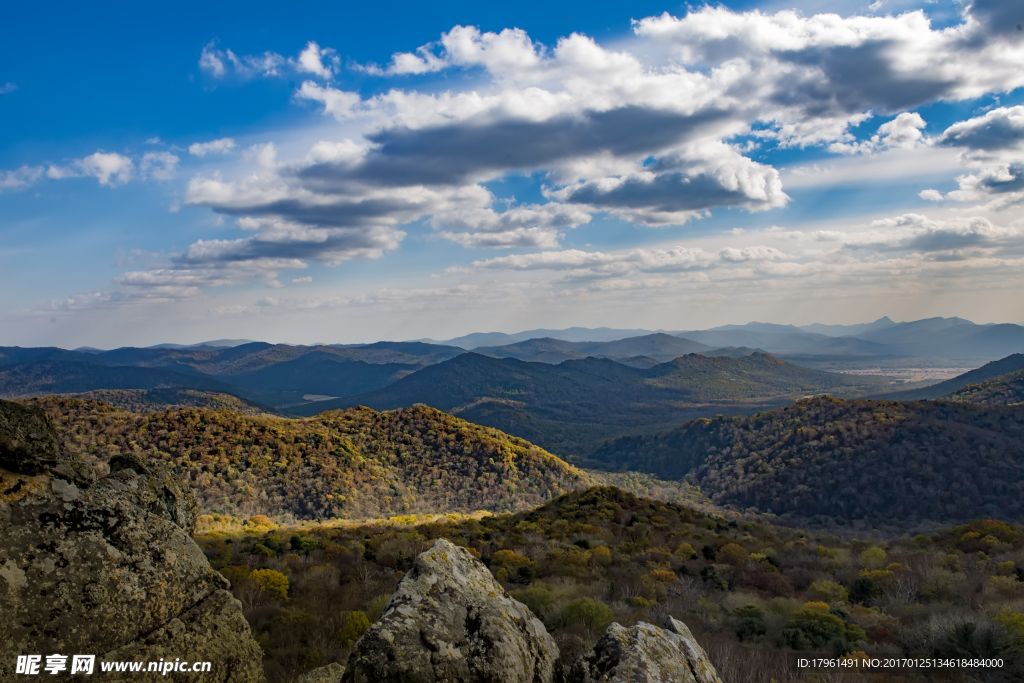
{"x":271,"y":582}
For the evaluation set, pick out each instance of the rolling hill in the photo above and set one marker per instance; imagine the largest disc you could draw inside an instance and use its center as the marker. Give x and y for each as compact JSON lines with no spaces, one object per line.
{"x":571,"y":408}
{"x":660,"y":347}
{"x":350,"y":464}
{"x":1003,"y":390}
{"x":863,"y":459}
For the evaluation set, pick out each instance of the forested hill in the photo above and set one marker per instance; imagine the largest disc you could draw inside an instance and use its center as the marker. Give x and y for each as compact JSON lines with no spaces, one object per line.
{"x":996,"y":368}
{"x":351,"y":464}
{"x":572,"y":407}
{"x":862,"y":459}
{"x":999,"y":391}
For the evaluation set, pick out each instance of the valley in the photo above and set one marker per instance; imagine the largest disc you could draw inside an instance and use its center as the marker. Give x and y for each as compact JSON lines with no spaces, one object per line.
{"x":777,"y":508}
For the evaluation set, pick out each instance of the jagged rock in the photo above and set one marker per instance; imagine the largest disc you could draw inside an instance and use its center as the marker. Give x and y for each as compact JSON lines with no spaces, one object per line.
{"x":449,"y":621}
{"x":107,"y":566}
{"x":325,"y":674}
{"x":645,"y":654}
{"x":29,"y":445}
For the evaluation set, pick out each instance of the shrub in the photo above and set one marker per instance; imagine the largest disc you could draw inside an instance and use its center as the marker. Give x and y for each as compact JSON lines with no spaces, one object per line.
{"x":828,"y":591}
{"x":537,"y":598}
{"x":873,"y":558}
{"x":593,"y":614}
{"x":732,"y":553}
{"x":353,"y":626}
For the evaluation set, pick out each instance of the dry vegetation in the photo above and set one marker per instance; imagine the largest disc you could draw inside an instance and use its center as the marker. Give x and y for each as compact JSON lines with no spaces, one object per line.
{"x":753,"y":594}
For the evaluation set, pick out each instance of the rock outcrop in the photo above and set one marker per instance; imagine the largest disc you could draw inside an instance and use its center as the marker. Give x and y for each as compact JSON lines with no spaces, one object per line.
{"x":449,"y":621}
{"x":331,"y":673}
{"x":645,"y":654}
{"x":107,"y":566}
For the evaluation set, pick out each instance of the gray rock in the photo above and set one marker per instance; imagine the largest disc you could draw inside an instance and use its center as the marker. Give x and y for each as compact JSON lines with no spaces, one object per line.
{"x":107,"y":567}
{"x":325,"y":674}
{"x":29,"y":445}
{"x":645,"y":654}
{"x":449,"y":621}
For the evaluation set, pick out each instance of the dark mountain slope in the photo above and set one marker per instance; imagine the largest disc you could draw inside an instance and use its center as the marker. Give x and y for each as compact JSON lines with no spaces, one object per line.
{"x":863,"y":459}
{"x":996,"y":368}
{"x":323,"y":373}
{"x":999,"y":391}
{"x":572,"y":407}
{"x":660,"y":346}
{"x":65,"y":377}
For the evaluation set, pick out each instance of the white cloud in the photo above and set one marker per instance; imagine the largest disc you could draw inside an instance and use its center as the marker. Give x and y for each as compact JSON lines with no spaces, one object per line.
{"x":993,"y":144}
{"x":7,"y":88}
{"x":109,"y":168}
{"x":158,"y":165}
{"x":20,"y":178}
{"x":311,"y":60}
{"x":220,"y":146}
{"x":903,"y":132}
{"x":302,"y":280}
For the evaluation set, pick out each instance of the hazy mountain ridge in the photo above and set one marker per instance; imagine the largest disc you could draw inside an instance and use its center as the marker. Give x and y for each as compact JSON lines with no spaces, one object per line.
{"x":572,"y":407}
{"x":659,"y":346}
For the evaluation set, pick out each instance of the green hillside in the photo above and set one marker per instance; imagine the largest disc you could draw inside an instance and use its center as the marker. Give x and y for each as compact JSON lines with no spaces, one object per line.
{"x":350,"y":464}
{"x":866,"y":459}
{"x":1002,"y":390}
{"x":571,"y":408}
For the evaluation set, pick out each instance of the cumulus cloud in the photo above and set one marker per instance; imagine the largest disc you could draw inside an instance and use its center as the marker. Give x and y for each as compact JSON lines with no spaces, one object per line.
{"x":645,"y":131}
{"x":109,"y":168}
{"x":220,"y":146}
{"x":312,"y":60}
{"x":994,"y":145}
{"x":903,"y":132}
{"x":629,"y":131}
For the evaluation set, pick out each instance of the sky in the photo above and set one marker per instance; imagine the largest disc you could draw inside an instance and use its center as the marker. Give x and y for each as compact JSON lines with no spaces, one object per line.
{"x":354,"y":172}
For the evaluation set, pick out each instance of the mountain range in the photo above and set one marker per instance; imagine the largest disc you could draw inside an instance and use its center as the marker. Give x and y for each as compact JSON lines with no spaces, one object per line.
{"x":572,"y":407}
{"x":563,"y":391}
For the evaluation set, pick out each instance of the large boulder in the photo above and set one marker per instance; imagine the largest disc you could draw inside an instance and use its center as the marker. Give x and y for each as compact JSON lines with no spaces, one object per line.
{"x":107,"y":566}
{"x":449,"y":621}
{"x":645,"y":654}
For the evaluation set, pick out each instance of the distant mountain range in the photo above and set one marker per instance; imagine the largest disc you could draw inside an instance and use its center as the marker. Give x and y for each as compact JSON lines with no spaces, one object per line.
{"x":929,"y":342}
{"x":572,"y":407}
{"x":566,"y":390}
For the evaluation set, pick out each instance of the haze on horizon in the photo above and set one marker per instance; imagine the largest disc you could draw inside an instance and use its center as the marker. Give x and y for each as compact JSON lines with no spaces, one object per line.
{"x":407,"y":171}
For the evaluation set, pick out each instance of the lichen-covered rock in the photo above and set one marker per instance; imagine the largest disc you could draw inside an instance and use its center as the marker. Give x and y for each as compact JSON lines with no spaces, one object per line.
{"x":107,"y":567}
{"x":449,"y":621}
{"x":645,"y":654}
{"x":325,"y":674}
{"x":29,"y":445}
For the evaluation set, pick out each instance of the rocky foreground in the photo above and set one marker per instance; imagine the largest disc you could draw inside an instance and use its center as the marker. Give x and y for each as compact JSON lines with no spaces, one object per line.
{"x":108,"y":567}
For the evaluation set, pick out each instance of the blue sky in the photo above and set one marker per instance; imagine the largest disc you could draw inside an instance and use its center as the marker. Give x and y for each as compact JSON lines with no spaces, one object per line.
{"x":369,"y":171}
